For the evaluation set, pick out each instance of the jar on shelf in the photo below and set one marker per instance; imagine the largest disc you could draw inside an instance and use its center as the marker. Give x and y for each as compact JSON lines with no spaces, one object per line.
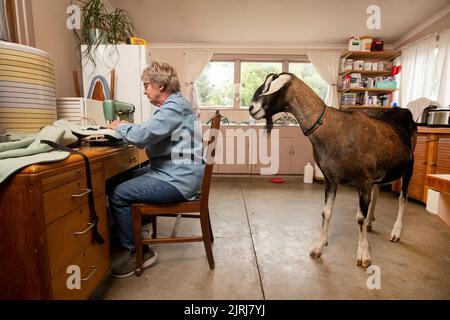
{"x":366,"y":43}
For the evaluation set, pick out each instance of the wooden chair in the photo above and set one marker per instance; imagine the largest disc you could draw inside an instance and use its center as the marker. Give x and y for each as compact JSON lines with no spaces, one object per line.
{"x":187,"y":209}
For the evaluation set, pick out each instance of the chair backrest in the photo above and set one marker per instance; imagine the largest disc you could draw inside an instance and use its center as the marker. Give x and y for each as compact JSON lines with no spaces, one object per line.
{"x":209,"y":158}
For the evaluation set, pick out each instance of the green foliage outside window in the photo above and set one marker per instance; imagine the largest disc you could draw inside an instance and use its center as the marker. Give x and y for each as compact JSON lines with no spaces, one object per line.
{"x":307,"y":73}
{"x":253,"y":75}
{"x":215,"y":86}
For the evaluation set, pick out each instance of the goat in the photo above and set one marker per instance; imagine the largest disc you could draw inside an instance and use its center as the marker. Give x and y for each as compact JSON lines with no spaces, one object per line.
{"x":350,"y":147}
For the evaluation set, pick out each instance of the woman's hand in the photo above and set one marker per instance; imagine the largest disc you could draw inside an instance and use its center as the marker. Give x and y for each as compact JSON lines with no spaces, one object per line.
{"x":113,"y":125}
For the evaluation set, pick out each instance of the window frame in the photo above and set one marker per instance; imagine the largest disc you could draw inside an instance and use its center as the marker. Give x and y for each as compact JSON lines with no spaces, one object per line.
{"x":253,"y":58}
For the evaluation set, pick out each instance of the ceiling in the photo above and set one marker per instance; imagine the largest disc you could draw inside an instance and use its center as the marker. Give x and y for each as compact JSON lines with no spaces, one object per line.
{"x":273,"y":21}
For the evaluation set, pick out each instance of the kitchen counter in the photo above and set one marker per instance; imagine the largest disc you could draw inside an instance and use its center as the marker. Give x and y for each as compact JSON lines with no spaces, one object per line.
{"x":424,"y":129}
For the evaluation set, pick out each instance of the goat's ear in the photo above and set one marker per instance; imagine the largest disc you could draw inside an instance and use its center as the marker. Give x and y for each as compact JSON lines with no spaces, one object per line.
{"x":277,"y":84}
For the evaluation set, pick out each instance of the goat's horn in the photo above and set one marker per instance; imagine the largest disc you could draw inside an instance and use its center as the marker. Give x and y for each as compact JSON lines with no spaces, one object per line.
{"x":277,"y":84}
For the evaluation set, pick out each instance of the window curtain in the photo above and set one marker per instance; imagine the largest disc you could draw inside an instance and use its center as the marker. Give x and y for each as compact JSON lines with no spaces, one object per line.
{"x":443,"y":69}
{"x":326,"y":64}
{"x":195,"y":62}
{"x":418,"y":70}
{"x":4,"y":31}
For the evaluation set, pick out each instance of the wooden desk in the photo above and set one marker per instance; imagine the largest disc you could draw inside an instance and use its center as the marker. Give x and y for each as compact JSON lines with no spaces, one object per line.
{"x":41,"y":209}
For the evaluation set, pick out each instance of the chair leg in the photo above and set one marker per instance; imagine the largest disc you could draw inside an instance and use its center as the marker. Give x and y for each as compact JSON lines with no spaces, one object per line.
{"x":137,"y":229}
{"x":154,"y":231}
{"x":210,"y":228}
{"x":205,"y":224}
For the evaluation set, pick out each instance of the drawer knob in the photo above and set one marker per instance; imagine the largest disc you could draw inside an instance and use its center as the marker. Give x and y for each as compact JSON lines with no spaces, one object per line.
{"x":94,"y":268}
{"x":90,"y":225}
{"x":85,"y":192}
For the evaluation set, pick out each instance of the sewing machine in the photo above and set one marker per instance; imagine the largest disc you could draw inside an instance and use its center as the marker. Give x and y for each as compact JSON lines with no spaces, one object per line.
{"x":113,"y":109}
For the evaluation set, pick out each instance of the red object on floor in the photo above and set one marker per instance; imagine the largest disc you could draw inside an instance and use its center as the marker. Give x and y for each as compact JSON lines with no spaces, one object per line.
{"x":276,"y":180}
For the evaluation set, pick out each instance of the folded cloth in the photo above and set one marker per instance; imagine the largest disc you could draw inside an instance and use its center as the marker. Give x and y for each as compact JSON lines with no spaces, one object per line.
{"x":19,"y":154}
{"x":91,"y":131}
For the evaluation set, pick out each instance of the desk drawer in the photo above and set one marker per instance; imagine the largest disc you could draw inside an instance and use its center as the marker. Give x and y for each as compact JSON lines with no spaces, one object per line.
{"x":121,"y":164}
{"x":63,"y":241}
{"x":59,"y":201}
{"x":94,"y":265}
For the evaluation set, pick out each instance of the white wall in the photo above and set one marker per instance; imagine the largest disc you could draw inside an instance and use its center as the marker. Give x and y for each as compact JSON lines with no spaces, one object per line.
{"x":52,"y":35}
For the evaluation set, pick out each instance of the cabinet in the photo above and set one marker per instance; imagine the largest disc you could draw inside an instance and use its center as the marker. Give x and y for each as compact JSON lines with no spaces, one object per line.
{"x":294,"y":150}
{"x":45,"y":225}
{"x":432,"y":155}
{"x":356,"y":82}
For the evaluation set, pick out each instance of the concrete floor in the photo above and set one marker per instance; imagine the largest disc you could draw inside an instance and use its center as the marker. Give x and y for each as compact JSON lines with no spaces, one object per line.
{"x":263,"y":234}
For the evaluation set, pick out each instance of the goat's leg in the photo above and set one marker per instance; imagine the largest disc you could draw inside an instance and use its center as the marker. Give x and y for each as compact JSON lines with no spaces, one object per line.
{"x":373,"y":202}
{"x":398,"y":226}
{"x":363,"y":256}
{"x":330,"y":195}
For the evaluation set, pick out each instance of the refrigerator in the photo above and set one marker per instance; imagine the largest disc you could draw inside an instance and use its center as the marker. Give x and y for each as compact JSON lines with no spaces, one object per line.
{"x":128,"y":61}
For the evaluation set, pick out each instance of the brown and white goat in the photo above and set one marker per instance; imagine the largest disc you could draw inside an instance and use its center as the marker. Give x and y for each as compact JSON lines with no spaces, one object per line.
{"x":350,"y":147}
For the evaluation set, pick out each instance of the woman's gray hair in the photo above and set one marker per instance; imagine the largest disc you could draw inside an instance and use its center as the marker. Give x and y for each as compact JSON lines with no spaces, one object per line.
{"x":162,"y":74}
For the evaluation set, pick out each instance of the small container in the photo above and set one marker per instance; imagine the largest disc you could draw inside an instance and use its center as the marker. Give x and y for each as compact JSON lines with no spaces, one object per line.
{"x":366,"y":98}
{"x":308,"y":174}
{"x":375,"y":66}
{"x":348,"y":64}
{"x":358,"y":65}
{"x":354,"y":44}
{"x":377,"y":45}
{"x":370,"y":83}
{"x":366,"y":43}
{"x":380,"y":66}
{"x":367,"y":66}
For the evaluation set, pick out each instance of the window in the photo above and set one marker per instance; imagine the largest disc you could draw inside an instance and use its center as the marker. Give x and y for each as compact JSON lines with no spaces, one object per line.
{"x":215,"y":86}
{"x":306,"y":72}
{"x":253,"y":75}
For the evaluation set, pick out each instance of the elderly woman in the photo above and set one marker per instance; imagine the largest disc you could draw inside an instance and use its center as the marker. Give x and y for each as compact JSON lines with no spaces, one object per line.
{"x":173,"y":143}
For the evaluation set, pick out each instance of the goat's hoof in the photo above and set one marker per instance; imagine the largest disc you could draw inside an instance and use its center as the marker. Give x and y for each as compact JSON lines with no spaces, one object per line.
{"x":363,"y":263}
{"x":315,"y":254}
{"x":395,"y":238}
{"x":326,"y":244}
{"x":366,"y":263}
{"x":369,"y":228}
{"x":363,"y":259}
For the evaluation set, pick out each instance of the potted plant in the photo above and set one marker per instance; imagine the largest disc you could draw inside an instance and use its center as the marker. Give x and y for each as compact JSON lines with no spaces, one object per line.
{"x":98,"y":26}
{"x":119,"y":27}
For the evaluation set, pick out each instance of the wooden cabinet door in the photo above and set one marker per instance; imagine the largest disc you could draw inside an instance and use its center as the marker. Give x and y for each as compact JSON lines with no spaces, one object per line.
{"x":236,"y":155}
{"x":301,"y":153}
{"x":442,"y":162}
{"x":282,"y":160}
{"x":416,"y":186}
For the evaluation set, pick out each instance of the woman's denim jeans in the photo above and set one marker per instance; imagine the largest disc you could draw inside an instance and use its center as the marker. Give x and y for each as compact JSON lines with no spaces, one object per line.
{"x":140,"y":188}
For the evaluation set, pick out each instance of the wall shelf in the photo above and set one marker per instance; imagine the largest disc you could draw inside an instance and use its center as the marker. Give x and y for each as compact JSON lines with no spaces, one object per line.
{"x":384,"y":55}
{"x":366,"y":73}
{"x":365,"y":89}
